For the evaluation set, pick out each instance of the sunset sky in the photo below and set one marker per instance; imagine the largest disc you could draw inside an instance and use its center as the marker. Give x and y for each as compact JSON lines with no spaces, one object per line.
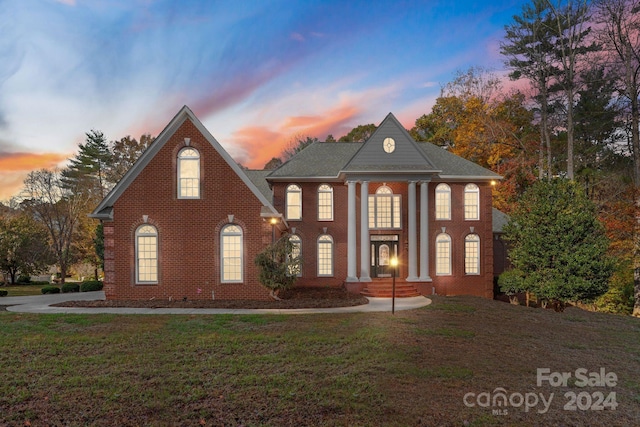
{"x":257,"y":73}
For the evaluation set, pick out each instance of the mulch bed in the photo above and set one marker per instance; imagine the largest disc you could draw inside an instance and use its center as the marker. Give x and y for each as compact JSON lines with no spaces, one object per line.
{"x":293,"y":298}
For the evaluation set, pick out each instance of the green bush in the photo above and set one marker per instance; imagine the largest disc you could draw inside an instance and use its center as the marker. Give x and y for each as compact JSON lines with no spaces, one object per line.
{"x":70,"y":287}
{"x":23,"y":279}
{"x":3,"y":293}
{"x":91,"y":286}
{"x":50,"y":290}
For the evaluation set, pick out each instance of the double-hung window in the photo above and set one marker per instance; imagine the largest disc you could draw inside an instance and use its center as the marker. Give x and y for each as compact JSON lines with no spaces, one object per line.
{"x":232,"y":253}
{"x":146,"y":254}
{"x":325,"y":203}
{"x":188,"y":173}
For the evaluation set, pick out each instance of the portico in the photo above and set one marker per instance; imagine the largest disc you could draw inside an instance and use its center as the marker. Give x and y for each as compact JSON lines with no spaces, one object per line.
{"x":384,"y":221}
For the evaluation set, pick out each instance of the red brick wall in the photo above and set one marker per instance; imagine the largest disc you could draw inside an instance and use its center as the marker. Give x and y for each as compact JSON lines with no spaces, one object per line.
{"x":188,"y":229}
{"x":458,"y":228}
{"x":309,"y":229}
{"x":457,"y":284}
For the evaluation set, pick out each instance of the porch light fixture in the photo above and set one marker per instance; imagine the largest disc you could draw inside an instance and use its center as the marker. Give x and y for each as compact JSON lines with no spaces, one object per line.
{"x":394,"y":266}
{"x":273,"y":221}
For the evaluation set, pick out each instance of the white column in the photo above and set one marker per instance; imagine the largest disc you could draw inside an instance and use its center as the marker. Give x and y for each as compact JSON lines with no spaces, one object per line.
{"x":365,"y":261}
{"x":351,"y":233}
{"x":424,"y":232}
{"x":413,"y":237}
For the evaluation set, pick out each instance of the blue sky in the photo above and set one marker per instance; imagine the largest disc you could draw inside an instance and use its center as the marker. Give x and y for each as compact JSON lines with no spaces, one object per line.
{"x":257,"y":73}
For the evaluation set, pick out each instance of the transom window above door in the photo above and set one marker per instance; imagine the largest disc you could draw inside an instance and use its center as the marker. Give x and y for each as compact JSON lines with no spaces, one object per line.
{"x":384,"y":209}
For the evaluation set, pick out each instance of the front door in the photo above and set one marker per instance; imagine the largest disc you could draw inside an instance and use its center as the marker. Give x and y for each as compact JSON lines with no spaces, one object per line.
{"x":383,"y":248}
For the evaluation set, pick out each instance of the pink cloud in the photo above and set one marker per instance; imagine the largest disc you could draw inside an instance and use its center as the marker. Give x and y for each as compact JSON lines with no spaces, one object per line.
{"x":14,"y":168}
{"x":262,"y":143}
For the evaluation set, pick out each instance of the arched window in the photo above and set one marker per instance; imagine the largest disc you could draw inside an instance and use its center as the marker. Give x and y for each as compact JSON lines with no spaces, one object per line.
{"x":325,"y":255}
{"x":296,"y":252}
{"x":294,"y":202}
{"x":188,"y":173}
{"x":471,"y":202}
{"x":443,"y":255}
{"x":232,"y":251}
{"x":443,"y":202}
{"x":472,"y":254}
{"x":384,"y":209}
{"x":325,"y":203}
{"x":146,"y":254}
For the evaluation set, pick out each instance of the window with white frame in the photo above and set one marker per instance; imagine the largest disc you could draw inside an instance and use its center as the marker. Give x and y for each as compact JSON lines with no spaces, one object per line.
{"x":472,"y":254}
{"x":384,"y":209}
{"x":146,"y":254}
{"x":471,"y":202}
{"x":188,"y":173}
{"x":325,"y":255}
{"x":296,"y":252}
{"x":231,"y":251}
{"x":443,"y":255}
{"x":325,"y":203}
{"x":294,"y":202}
{"x":443,"y":202}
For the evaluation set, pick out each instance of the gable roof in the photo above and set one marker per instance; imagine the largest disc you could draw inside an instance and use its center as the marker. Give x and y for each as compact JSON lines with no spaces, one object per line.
{"x":405,"y":156}
{"x":335,"y":160}
{"x":105,"y":209}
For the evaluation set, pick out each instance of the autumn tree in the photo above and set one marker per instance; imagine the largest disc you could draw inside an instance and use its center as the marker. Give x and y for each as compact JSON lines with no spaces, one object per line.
{"x":124,"y":153}
{"x":558,"y":246}
{"x":618,"y":31}
{"x":23,"y":246}
{"x":58,"y":206}
{"x":473,"y":121}
{"x":359,"y":133}
{"x":296,"y":145}
{"x":274,"y":163}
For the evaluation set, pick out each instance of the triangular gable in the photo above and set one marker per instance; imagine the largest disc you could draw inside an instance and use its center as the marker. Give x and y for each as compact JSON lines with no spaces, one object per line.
{"x":105,"y":208}
{"x":404,"y":155}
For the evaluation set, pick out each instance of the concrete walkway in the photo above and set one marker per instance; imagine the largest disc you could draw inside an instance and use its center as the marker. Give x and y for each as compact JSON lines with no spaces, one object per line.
{"x":42,"y":304}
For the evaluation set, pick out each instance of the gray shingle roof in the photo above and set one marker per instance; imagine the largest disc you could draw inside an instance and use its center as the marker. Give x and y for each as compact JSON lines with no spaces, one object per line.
{"x":500,"y":219}
{"x":320,"y":159}
{"x":257,"y":177}
{"x":328,"y":159}
{"x":453,"y":165}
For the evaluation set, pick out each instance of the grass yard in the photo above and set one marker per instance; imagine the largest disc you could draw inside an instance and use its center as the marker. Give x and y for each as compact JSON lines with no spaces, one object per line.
{"x":23,"y":290}
{"x":417,"y":368}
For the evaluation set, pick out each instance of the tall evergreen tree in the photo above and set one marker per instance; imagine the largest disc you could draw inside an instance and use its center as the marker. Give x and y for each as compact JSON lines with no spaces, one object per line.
{"x":528,"y":50}
{"x":88,"y":168}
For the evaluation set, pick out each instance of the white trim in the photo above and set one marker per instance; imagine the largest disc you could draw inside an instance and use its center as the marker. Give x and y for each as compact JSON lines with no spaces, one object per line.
{"x":325,"y":239}
{"x":327,"y":190}
{"x":138,"y":235}
{"x":234,"y":233}
{"x":179,"y":178}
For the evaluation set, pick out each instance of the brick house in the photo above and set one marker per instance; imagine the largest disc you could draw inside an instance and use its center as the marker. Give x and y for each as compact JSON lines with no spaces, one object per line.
{"x":187,"y":222}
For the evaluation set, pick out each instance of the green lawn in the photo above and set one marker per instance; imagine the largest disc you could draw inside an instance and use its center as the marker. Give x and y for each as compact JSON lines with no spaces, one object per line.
{"x":414,"y":368}
{"x":23,"y":290}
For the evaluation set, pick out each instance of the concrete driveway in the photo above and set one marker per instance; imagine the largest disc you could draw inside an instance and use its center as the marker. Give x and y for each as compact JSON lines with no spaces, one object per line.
{"x":42,"y":304}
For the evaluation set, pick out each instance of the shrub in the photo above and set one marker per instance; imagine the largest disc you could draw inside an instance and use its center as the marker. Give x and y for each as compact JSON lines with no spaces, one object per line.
{"x":3,"y":293}
{"x":91,"y":286}
{"x":23,"y":279}
{"x":50,"y":290}
{"x":70,"y":287}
